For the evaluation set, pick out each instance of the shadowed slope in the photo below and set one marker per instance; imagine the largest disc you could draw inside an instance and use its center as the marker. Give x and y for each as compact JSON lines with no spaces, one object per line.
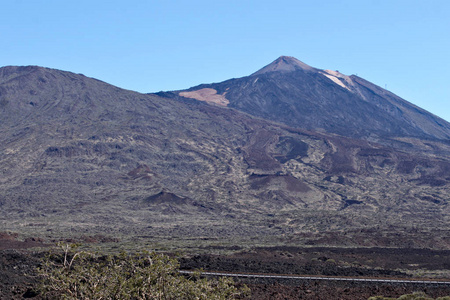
{"x":293,"y":93}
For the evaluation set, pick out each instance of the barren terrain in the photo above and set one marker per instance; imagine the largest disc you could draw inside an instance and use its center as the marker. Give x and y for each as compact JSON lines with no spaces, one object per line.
{"x":297,"y":174}
{"x":18,"y":261}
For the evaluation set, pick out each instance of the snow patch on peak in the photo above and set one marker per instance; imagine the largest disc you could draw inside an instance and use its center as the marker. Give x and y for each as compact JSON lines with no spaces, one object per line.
{"x":339,"y":78}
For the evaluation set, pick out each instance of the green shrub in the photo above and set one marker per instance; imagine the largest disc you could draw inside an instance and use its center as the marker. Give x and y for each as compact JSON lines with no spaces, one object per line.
{"x":83,"y":275}
{"x":414,"y":296}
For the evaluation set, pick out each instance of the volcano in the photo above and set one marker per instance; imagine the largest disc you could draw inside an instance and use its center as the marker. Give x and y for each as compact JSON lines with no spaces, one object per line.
{"x":291,"y":92}
{"x":290,"y":152}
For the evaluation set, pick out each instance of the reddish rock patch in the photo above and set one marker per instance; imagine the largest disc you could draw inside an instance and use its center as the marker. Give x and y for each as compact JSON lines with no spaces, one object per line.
{"x":10,"y":241}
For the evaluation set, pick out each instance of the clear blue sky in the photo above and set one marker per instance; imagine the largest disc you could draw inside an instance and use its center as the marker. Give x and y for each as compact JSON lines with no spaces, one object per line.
{"x":149,"y":46}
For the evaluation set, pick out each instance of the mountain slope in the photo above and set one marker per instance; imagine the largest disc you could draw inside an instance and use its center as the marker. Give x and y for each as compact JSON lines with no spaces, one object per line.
{"x":293,"y":93}
{"x":79,"y":156}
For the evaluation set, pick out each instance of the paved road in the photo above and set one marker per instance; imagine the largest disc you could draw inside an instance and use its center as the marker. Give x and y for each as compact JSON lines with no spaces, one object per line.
{"x":320,"y":278}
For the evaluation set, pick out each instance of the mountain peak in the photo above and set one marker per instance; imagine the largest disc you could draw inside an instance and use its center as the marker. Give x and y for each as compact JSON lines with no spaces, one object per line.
{"x":284,"y":64}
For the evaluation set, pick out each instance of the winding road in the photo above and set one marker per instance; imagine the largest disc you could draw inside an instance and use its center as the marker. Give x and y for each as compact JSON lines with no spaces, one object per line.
{"x":305,"y":277}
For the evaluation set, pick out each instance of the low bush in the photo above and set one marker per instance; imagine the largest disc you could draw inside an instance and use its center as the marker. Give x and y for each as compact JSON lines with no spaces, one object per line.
{"x":67,"y":274}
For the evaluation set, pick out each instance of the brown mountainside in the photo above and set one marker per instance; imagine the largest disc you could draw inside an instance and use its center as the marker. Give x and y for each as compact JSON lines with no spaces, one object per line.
{"x":80,"y":156}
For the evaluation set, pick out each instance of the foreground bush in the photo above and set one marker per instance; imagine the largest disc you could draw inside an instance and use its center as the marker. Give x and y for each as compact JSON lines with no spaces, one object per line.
{"x":83,"y":275}
{"x":415,"y":296}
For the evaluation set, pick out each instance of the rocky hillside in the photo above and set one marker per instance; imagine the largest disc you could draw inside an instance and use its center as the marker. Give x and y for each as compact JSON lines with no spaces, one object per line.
{"x":293,"y":93}
{"x":79,"y":156}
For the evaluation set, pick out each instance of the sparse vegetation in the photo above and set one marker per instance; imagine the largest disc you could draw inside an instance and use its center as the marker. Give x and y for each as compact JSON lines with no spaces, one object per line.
{"x":413,"y":296}
{"x":84,"y":161}
{"x":147,"y":275}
